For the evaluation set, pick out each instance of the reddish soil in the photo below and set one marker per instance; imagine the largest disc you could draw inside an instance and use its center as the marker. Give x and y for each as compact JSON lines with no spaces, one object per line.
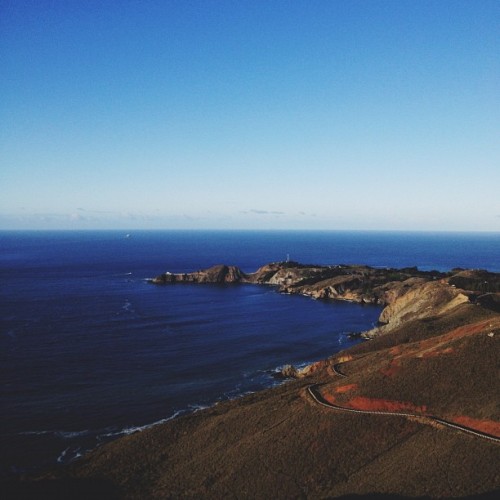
{"x":329,"y":397}
{"x":487,"y":426}
{"x":346,"y":388}
{"x":372,"y":404}
{"x":437,"y":352}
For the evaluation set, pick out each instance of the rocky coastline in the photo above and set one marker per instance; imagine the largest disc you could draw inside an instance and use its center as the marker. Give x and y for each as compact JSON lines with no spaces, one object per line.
{"x":406,"y":294}
{"x":411,"y":413}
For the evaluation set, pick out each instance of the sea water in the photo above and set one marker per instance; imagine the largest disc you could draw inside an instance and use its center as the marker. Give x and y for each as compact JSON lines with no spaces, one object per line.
{"x":90,"y":351}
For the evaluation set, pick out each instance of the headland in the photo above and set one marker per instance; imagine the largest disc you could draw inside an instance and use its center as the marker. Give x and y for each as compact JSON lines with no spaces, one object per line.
{"x":413,"y":412}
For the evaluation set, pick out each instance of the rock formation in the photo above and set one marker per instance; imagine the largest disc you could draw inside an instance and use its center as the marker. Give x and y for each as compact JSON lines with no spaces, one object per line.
{"x":362,"y":284}
{"x":407,"y":293}
{"x":215,"y":274}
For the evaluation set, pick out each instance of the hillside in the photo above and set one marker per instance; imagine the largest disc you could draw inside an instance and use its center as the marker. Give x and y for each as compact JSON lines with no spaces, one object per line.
{"x":433,"y":361}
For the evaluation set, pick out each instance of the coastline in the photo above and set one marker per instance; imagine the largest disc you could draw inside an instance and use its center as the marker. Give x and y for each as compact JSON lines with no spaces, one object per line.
{"x":432,"y":333}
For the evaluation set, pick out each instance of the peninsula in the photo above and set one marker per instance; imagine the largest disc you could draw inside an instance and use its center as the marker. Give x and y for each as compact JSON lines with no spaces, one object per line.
{"x":413,"y":412}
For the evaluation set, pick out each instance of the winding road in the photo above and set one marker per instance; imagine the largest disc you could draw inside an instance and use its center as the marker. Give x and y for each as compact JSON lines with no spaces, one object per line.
{"x":318,"y":398}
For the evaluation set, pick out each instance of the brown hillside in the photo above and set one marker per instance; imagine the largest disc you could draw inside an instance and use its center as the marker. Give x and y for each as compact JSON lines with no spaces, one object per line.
{"x":437,"y":357}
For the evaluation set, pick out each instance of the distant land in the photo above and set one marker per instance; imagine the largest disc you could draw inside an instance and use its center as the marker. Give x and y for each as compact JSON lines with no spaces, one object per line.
{"x":411,"y":412}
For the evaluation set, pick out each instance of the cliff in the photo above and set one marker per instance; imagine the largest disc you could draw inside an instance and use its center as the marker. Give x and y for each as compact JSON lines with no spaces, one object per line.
{"x":411,"y":413}
{"x":407,"y":293}
{"x":215,"y":274}
{"x":362,"y":284}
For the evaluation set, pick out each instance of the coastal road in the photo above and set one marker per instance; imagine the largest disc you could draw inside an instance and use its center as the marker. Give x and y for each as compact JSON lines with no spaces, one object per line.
{"x":318,"y":398}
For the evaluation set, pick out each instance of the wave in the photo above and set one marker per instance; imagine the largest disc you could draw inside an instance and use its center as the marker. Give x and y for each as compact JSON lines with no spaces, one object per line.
{"x":279,"y":368}
{"x":131,"y":430}
{"x":231,"y":395}
{"x":95,"y":438}
{"x":198,"y":407}
{"x":192,"y":408}
{"x":72,"y":434}
{"x":68,"y":455}
{"x":36,"y":433}
{"x":61,"y":457}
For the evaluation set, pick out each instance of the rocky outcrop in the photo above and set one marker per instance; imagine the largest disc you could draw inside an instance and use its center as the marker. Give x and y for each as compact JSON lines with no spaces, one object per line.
{"x":362,"y":284}
{"x":407,"y":294}
{"x":288,"y":371}
{"x":421,"y":300}
{"x":215,"y":274}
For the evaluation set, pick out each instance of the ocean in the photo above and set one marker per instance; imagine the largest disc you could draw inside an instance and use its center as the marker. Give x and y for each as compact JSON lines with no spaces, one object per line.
{"x":90,"y":351}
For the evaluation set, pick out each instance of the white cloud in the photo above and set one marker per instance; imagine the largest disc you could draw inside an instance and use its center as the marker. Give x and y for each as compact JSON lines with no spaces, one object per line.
{"x":265,"y":212}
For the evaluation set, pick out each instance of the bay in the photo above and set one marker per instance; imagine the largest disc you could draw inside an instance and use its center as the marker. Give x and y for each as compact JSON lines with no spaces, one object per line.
{"x":90,"y":351}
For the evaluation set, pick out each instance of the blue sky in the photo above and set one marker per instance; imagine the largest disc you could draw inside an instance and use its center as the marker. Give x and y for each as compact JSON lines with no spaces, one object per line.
{"x":250,"y":114}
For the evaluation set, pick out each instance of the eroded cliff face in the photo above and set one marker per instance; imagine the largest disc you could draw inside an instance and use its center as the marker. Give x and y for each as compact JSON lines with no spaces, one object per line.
{"x":421,"y":300}
{"x":426,"y":300}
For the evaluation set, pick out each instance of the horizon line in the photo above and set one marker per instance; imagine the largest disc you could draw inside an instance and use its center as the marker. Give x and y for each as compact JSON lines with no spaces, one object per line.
{"x":269,"y":230}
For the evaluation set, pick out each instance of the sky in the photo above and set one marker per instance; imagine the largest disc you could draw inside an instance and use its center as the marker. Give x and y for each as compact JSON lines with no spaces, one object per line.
{"x":250,"y":114}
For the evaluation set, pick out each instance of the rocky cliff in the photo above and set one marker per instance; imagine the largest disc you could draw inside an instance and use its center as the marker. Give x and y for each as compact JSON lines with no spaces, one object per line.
{"x":215,"y":274}
{"x":407,"y":294}
{"x":340,"y":282}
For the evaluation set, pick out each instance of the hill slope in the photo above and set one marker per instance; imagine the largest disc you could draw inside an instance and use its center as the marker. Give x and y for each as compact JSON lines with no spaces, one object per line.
{"x":435,"y":355}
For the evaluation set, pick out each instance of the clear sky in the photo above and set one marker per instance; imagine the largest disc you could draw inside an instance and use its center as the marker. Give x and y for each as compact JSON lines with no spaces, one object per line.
{"x":250,"y":114}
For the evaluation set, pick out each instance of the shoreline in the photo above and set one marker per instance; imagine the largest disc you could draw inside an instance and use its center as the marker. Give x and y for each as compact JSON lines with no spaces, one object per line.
{"x":276,"y":379}
{"x":430,"y":325}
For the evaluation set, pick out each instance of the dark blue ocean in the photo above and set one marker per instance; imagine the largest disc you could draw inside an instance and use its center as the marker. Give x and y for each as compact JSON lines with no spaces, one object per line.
{"x":90,"y":351}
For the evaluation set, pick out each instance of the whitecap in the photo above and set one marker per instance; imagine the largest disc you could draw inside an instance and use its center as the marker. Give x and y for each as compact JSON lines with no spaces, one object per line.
{"x":36,"y":433}
{"x":71,"y":434}
{"x":68,"y":455}
{"x":131,"y":430}
{"x":198,"y":407}
{"x":62,"y":456}
{"x":235,"y":393}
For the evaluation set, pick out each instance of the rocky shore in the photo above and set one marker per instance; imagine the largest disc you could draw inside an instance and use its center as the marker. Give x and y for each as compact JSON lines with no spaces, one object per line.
{"x":411,"y":413}
{"x":407,"y":293}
